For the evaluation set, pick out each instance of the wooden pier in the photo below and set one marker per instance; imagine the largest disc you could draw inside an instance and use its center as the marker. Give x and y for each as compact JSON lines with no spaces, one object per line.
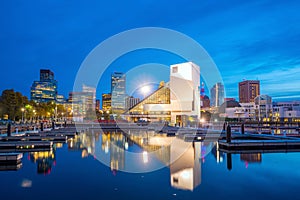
{"x":260,"y":144}
{"x":10,"y":161}
{"x":25,"y":146}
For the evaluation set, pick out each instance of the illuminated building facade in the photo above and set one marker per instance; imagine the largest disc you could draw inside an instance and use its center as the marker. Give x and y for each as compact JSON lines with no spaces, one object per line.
{"x":91,"y":91}
{"x":45,"y":89}
{"x":81,"y":103}
{"x":263,"y":111}
{"x":60,"y":99}
{"x":118,"y":92}
{"x":153,"y":106}
{"x":106,"y":102}
{"x":248,"y":90}
{"x":286,"y":111}
{"x":177,"y":102}
{"x":97,"y":104}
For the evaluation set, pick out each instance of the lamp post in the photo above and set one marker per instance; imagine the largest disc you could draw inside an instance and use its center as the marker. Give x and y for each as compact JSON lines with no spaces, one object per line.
{"x":23,"y":110}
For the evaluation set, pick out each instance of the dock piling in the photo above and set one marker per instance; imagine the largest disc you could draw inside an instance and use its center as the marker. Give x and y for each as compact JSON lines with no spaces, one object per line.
{"x":42,"y":126}
{"x":9,"y":129}
{"x":229,"y":161}
{"x":228,"y":134}
{"x":243,"y":128}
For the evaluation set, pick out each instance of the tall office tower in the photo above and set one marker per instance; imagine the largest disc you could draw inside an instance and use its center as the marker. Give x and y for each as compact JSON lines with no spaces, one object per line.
{"x":217,"y":95}
{"x":118,"y":92}
{"x":248,"y":90}
{"x":45,"y":89}
{"x":91,"y":91}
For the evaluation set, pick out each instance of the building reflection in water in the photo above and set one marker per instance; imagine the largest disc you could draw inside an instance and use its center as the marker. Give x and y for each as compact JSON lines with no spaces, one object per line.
{"x":251,"y":158}
{"x":183,"y":158}
{"x":219,"y":155}
{"x":45,"y":160}
{"x":186,"y":169}
{"x":117,"y":151}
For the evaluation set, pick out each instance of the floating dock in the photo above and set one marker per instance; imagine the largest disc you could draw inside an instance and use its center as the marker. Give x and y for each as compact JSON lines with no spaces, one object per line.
{"x":25,"y":146}
{"x":260,"y":145}
{"x":10,"y":161}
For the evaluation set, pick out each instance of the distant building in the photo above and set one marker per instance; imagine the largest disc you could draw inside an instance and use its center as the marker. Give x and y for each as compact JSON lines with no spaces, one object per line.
{"x":286,"y":111}
{"x":106,"y":101}
{"x":248,"y":90}
{"x":205,"y":102}
{"x":217,"y":95}
{"x":97,"y":104}
{"x":235,"y":110}
{"x":131,"y":101}
{"x":264,"y":109}
{"x":82,"y":102}
{"x":204,"y":99}
{"x":60,"y":99}
{"x":92,"y":91}
{"x":118,"y":92}
{"x":45,"y":89}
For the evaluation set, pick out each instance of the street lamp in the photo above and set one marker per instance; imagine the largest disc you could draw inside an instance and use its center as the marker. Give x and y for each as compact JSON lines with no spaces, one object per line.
{"x":23,"y":110}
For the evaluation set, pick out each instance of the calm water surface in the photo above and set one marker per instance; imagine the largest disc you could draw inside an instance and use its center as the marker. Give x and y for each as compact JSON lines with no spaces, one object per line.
{"x":75,"y":170}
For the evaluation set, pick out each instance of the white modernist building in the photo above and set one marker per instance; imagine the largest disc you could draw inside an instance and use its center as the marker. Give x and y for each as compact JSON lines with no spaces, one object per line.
{"x":184,"y":92}
{"x":177,"y":101}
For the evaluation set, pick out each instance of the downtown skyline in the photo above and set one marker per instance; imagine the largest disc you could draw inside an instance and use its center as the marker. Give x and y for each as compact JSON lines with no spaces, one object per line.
{"x":247,"y":40}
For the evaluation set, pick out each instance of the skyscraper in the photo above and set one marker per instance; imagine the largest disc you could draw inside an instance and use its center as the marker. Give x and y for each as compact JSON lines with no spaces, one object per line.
{"x":248,"y":90}
{"x":118,"y":92}
{"x":217,"y":95}
{"x":45,"y":89}
{"x":91,"y":91}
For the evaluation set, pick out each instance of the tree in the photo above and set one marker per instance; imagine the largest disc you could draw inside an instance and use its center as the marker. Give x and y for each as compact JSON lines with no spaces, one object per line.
{"x":11,"y":103}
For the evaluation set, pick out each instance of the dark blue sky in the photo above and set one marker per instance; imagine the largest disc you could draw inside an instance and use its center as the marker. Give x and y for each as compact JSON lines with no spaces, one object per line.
{"x":247,"y":39}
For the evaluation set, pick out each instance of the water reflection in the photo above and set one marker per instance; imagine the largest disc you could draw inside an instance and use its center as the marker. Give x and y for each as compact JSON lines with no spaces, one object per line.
{"x":45,"y":160}
{"x":184,"y":159}
{"x":185,"y":171}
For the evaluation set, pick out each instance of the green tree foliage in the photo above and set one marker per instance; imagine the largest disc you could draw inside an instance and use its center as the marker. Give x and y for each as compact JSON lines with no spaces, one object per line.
{"x":11,"y":103}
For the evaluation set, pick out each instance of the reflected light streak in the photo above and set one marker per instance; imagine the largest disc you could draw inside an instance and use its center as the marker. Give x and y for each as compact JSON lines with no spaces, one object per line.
{"x":145,"y":157}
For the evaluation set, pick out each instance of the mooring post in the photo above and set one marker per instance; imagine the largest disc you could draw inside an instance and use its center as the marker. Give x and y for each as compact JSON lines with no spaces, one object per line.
{"x":229,"y":161}
{"x":228,"y":134}
{"x":53,"y":125}
{"x":243,"y":128}
{"x":42,"y":126}
{"x":224,"y":126}
{"x":9,"y":129}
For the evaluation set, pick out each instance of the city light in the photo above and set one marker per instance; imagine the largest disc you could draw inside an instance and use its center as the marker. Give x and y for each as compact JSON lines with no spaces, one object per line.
{"x":145,"y":90}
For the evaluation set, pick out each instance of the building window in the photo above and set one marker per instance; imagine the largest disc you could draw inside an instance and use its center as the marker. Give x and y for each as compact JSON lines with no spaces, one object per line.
{"x":175,"y":69}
